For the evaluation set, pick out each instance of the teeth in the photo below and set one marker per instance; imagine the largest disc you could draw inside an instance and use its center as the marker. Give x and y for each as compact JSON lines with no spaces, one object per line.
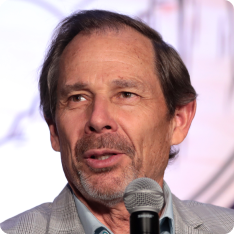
{"x":104,"y":157}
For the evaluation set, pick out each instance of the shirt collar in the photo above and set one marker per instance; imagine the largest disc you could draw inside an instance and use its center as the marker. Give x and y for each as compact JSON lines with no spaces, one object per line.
{"x":91,"y":223}
{"x":168,"y":210}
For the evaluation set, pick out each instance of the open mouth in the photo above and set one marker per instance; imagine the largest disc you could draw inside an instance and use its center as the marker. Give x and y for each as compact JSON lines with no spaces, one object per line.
{"x":102,"y":157}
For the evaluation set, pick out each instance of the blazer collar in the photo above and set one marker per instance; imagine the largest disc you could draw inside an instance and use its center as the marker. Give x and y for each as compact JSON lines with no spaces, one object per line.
{"x":64,"y":218}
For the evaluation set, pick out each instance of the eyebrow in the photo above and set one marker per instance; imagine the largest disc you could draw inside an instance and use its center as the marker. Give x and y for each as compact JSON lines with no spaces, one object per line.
{"x":120,"y":83}
{"x":128,"y":84}
{"x":66,"y":89}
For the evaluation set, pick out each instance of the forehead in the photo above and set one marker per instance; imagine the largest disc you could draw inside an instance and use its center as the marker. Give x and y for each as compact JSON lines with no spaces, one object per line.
{"x":123,"y":53}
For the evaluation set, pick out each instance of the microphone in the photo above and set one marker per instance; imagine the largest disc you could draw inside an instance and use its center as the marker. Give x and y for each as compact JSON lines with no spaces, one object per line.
{"x":144,"y":199}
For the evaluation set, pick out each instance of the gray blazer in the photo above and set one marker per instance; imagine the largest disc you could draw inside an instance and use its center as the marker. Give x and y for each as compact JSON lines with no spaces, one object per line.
{"x":61,"y":217}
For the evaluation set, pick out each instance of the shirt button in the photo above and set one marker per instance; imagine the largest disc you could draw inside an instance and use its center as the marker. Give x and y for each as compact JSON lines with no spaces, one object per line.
{"x":101,"y":230}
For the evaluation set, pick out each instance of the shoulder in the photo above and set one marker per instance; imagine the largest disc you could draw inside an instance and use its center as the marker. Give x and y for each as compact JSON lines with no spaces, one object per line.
{"x":203,"y":209}
{"x":60,"y":216}
{"x":33,"y":219}
{"x":204,"y":216}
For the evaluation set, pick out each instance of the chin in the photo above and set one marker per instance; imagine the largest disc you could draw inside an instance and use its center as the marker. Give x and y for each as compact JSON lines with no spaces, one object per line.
{"x":106,"y":186}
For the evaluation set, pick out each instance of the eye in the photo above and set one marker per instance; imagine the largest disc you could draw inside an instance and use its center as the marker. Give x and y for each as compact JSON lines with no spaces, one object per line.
{"x":127,"y":95}
{"x":77,"y":98}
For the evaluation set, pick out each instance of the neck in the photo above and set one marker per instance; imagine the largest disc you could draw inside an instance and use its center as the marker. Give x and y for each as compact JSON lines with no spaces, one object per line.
{"x":116,"y":217}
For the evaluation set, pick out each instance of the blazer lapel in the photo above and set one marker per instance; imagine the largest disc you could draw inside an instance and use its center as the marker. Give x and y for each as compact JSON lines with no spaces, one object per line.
{"x":186,"y":221}
{"x":64,"y":217}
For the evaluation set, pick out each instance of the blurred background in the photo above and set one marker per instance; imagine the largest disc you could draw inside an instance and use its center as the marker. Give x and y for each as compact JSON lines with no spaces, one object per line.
{"x":202,"y":31}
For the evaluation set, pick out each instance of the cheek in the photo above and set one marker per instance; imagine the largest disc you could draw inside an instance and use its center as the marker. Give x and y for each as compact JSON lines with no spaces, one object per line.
{"x":152,"y":136}
{"x":70,"y":126}
{"x":161,"y":137}
{"x":143,"y":126}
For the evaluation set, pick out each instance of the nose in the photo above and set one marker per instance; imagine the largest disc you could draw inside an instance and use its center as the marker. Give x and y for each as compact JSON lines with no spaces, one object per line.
{"x":100,"y":117}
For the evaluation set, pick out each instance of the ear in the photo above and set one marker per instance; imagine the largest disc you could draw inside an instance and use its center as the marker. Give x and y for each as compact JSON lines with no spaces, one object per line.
{"x":182,"y":120}
{"x":54,"y":139}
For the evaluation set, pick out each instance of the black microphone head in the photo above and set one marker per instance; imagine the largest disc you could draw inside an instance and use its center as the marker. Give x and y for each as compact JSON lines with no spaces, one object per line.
{"x":143,"y":194}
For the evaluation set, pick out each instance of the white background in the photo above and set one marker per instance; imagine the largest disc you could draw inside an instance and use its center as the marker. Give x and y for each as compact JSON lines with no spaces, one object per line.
{"x":31,"y":172}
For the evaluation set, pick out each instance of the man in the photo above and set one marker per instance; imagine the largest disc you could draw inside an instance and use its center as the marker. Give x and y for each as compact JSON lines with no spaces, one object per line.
{"x":116,"y":99}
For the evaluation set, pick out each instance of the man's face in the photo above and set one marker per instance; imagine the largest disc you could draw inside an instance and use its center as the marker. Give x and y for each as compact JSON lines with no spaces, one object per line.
{"x":111,"y":117}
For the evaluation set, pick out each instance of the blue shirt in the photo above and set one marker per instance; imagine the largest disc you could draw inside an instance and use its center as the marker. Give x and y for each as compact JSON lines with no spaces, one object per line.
{"x":92,"y":225}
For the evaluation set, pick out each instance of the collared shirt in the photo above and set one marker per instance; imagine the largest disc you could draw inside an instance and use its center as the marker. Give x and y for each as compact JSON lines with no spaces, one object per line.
{"x":92,"y":225}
